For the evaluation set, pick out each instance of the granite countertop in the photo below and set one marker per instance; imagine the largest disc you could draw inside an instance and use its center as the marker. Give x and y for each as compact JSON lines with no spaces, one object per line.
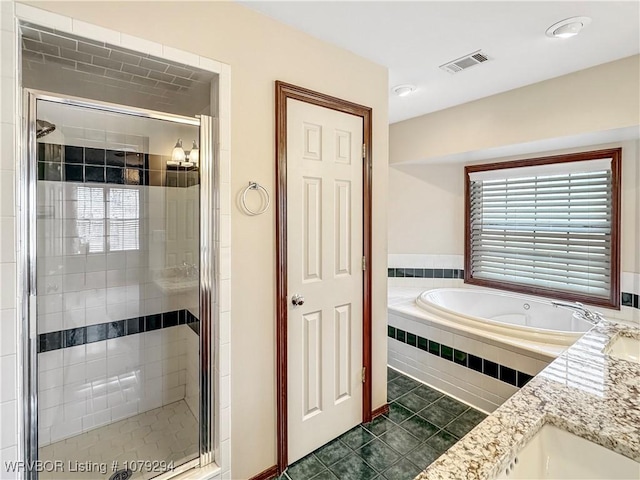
{"x":584,"y":391}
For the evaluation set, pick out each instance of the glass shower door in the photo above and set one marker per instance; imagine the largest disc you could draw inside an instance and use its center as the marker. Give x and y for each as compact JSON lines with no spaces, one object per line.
{"x":118,"y":292}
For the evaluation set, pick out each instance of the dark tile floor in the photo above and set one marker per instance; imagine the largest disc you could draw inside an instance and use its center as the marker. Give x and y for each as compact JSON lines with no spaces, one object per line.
{"x":422,"y":423}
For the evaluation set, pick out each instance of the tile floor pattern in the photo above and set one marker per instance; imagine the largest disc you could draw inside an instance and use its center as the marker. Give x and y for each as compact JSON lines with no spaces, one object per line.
{"x":169,"y":434}
{"x":422,"y":423}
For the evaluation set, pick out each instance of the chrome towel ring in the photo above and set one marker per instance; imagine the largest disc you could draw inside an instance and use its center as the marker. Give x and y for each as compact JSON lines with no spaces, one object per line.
{"x":264,"y":194}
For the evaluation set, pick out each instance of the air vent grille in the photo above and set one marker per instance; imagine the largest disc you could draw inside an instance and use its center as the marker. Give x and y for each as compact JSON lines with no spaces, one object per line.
{"x":465,"y":62}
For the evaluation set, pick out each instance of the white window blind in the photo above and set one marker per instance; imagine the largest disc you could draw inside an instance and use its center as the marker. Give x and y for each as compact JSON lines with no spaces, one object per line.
{"x":124,"y":219}
{"x":90,"y":218}
{"x":544,"y":227}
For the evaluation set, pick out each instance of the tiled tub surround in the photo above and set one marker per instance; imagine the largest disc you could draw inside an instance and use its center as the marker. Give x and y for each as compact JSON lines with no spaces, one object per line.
{"x":481,"y":371}
{"x":585,"y":392}
{"x":444,"y":273}
{"x":459,"y":357}
{"x":629,"y":299}
{"x":426,"y":272}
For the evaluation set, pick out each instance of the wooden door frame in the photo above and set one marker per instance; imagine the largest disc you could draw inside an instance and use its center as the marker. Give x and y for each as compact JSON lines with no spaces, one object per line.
{"x":285,"y":91}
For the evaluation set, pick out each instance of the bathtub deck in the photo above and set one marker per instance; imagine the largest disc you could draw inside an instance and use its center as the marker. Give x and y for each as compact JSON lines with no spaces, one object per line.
{"x":402,"y":295}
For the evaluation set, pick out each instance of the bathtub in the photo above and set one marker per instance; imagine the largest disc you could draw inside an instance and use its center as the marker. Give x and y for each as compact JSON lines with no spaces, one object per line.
{"x":486,"y":344}
{"x":515,"y":316}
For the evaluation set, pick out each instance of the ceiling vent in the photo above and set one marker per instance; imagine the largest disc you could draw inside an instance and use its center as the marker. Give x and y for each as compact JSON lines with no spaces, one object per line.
{"x":465,"y":62}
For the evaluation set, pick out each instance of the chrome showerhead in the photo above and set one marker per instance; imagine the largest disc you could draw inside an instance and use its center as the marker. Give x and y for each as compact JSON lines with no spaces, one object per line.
{"x":44,"y":128}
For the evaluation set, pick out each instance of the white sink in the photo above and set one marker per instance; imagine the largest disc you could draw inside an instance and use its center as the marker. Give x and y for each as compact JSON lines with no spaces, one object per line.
{"x":555,"y":454}
{"x":626,"y":348}
{"x":175,"y":280}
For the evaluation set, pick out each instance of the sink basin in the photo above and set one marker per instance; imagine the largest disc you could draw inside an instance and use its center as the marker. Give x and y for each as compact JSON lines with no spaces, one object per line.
{"x":626,"y":348}
{"x":176,"y":280}
{"x":555,"y":454}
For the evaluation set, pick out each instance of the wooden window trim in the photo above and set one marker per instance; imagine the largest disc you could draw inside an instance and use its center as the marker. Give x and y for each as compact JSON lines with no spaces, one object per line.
{"x":616,"y":169}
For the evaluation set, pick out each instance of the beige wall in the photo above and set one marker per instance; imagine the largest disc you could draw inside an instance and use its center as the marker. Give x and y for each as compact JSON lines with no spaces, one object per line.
{"x":426,"y":209}
{"x":426,"y":205}
{"x":261,"y":51}
{"x":593,"y":100}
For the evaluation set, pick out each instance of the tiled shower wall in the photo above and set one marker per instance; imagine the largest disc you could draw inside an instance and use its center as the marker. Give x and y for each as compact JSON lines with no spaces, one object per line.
{"x":109,"y":252}
{"x":10,"y":340}
{"x":9,"y":394}
{"x":92,"y":385}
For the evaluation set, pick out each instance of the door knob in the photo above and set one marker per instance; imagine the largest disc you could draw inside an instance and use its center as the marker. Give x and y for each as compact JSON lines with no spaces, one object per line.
{"x":297,"y":300}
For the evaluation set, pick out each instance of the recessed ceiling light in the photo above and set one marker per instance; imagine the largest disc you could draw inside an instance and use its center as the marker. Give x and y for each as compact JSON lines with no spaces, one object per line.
{"x":568,"y":28}
{"x":404,"y":90}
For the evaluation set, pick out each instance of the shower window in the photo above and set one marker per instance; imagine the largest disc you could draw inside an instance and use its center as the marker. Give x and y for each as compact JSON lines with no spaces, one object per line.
{"x":546,"y":226}
{"x":91,"y":216}
{"x":124,"y":219}
{"x":111,"y":214}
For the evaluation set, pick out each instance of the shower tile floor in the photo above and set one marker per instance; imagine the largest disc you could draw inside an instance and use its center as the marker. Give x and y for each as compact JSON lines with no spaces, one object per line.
{"x":422,"y":424}
{"x":165,"y":434}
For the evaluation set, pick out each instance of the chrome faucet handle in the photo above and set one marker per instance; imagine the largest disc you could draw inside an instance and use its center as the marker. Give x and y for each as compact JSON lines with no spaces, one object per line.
{"x":585,"y":313}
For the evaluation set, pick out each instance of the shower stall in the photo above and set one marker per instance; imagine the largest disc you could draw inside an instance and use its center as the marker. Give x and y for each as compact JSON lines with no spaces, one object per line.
{"x":119,"y":287}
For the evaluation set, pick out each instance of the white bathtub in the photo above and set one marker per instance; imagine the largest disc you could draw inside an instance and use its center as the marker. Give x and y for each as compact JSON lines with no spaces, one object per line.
{"x":516,"y":316}
{"x":519,"y":332}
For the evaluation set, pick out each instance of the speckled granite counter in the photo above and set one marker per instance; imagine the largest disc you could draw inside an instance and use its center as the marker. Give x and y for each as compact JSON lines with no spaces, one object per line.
{"x":584,"y":391}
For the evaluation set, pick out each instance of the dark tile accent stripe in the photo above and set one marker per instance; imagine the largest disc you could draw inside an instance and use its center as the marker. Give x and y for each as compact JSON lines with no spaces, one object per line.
{"x":630,"y":300}
{"x":425,"y":273}
{"x":103,"y":331}
{"x":464,"y":359}
{"x":66,"y":163}
{"x":192,"y":322}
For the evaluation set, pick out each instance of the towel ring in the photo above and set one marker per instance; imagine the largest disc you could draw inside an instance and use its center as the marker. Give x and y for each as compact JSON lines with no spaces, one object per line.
{"x":264,"y":193}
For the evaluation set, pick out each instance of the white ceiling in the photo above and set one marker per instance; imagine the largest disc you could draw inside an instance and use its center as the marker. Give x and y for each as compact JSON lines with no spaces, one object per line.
{"x":414,"y":38}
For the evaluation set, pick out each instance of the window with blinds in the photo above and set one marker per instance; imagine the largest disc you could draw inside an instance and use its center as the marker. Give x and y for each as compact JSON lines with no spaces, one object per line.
{"x":546,"y":226}
{"x":108,"y":213}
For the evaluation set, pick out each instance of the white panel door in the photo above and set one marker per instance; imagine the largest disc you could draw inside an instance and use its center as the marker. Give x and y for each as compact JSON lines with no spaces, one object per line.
{"x":324,"y":254}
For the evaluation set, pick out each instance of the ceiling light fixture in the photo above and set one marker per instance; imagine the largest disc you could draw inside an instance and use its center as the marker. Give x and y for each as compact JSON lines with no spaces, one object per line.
{"x":567,"y":28}
{"x":404,"y":90}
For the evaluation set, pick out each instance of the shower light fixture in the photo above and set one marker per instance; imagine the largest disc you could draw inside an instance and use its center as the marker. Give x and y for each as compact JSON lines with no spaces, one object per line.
{"x":567,"y":28}
{"x":194,"y":154}
{"x":178,"y":154}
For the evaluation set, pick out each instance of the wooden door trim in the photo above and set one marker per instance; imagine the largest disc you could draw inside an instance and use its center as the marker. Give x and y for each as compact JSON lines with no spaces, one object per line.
{"x":285,"y":91}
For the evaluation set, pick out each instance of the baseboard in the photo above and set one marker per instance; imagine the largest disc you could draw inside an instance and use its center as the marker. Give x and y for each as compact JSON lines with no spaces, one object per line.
{"x":380,"y":411}
{"x":267,"y":474}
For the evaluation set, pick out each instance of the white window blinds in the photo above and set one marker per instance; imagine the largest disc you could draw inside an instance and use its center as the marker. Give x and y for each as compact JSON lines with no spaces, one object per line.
{"x":544,"y":226}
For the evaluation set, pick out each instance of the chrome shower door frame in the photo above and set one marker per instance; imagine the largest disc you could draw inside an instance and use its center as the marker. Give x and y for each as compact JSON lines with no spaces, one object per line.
{"x":209,"y":274}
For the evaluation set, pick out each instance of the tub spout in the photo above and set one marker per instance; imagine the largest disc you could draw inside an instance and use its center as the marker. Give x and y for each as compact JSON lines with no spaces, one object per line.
{"x":589,"y":315}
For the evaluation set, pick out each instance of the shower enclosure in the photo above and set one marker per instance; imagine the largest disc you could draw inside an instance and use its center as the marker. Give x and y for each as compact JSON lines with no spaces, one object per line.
{"x":119,"y":290}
